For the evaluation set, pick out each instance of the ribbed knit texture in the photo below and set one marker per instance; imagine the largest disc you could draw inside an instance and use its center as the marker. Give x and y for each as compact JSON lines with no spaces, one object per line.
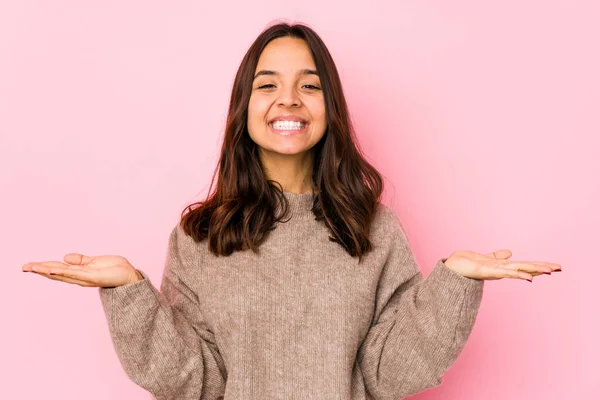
{"x":300,"y":320}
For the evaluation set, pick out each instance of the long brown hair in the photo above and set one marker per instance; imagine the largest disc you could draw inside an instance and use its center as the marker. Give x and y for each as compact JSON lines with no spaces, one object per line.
{"x":241,"y":211}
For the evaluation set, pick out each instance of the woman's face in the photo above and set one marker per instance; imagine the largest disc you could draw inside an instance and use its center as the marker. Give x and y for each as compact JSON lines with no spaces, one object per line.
{"x":286,"y":111}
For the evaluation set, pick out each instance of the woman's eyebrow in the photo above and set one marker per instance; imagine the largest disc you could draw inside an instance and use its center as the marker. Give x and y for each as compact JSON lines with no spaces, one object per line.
{"x":304,"y":71}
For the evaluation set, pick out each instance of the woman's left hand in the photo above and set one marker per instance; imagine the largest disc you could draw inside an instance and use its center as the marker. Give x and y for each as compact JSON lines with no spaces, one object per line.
{"x":497,"y":266}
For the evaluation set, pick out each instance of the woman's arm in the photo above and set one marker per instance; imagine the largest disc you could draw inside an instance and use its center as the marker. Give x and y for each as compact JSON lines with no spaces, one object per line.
{"x":160,"y":336}
{"x":420,"y":326}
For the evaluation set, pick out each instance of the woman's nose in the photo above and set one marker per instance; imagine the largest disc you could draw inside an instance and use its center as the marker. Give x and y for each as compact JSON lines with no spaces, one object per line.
{"x":288,"y":97}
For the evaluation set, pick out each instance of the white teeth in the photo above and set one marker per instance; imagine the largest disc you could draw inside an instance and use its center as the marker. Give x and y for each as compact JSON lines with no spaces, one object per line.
{"x":287,"y":125}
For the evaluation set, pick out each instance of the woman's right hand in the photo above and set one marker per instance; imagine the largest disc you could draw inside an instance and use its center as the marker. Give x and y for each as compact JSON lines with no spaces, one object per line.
{"x":78,"y":269}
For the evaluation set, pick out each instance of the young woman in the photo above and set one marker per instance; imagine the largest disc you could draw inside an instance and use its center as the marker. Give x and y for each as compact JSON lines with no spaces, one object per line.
{"x":292,"y":280}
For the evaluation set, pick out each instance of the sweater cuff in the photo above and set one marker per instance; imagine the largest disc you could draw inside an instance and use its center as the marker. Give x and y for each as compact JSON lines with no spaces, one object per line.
{"x":454,"y":283}
{"x":128,"y":295}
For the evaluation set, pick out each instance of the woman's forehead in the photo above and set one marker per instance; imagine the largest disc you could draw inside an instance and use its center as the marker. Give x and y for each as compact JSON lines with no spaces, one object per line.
{"x":286,"y":55}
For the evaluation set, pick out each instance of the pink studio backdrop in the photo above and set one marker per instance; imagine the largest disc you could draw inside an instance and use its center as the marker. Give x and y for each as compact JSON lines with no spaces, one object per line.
{"x":483,"y":117}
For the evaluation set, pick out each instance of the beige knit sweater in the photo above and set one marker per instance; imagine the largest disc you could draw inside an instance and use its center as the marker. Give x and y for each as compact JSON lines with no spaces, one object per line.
{"x":302,"y":320}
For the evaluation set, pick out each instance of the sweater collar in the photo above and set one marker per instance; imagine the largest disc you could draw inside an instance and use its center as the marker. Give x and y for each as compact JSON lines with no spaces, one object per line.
{"x":300,"y":204}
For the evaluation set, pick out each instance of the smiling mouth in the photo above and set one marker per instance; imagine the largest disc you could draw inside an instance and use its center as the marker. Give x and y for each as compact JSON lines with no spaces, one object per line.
{"x":287,"y":125}
{"x":287,"y":128}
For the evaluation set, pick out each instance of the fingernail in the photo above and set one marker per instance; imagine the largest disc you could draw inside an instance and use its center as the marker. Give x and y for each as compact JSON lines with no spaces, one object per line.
{"x":547,"y":273}
{"x":558,"y":270}
{"x":530,"y":280}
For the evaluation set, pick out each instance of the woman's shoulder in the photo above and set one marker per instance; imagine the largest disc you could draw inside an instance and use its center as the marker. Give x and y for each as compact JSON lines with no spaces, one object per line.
{"x":183,"y":243}
{"x":385,"y":216}
{"x":386,"y":221}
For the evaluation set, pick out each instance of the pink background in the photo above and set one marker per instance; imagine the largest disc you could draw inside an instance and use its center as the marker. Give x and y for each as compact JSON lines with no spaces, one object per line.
{"x":483,"y":117}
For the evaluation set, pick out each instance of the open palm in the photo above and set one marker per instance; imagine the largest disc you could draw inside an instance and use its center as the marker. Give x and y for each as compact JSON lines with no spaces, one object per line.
{"x":496,"y":265}
{"x":82,"y":270}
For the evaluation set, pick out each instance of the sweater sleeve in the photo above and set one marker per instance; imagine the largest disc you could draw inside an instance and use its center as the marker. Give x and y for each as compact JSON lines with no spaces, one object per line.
{"x":160,"y":337}
{"x":420,"y":325}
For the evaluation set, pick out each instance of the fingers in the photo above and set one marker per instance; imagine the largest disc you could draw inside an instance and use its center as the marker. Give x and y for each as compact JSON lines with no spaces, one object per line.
{"x":46,"y":265}
{"x":511,"y":273}
{"x":534,"y":266}
{"x":58,"y":271}
{"x":65,"y":279}
{"x":498,"y":269}
{"x":71,"y":273}
{"x":528,"y":266}
{"x":500,"y":254}
{"x":77,"y":259}
{"x":552,"y":266}
{"x":500,"y":272}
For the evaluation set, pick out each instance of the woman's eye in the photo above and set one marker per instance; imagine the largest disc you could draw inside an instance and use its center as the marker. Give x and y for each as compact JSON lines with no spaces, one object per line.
{"x":271,"y":86}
